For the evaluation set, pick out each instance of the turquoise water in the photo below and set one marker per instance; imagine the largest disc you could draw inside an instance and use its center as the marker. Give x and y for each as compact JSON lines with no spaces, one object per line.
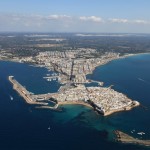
{"x":24,"y":127}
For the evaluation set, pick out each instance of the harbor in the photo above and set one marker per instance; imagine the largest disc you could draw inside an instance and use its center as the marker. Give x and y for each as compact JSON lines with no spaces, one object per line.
{"x":29,"y":97}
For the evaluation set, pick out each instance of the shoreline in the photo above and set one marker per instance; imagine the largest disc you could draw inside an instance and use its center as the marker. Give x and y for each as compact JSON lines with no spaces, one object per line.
{"x":56,"y":107}
{"x":122,"y":109}
{"x":130,"y":55}
{"x":127,"y":139}
{"x":120,"y":57}
{"x":45,"y":105}
{"x":74,"y":103}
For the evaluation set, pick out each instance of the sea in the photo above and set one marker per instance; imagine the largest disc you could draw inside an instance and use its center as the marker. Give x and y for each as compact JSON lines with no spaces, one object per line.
{"x":75,"y":127}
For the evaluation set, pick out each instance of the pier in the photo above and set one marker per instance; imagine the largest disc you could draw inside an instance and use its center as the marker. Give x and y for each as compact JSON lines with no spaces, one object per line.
{"x":28,"y":96}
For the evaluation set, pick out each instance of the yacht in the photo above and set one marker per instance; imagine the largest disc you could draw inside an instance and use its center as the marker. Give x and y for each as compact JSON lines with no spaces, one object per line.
{"x":140,"y":133}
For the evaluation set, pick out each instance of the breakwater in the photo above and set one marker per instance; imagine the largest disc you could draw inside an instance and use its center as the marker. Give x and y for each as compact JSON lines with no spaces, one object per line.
{"x":28,"y":97}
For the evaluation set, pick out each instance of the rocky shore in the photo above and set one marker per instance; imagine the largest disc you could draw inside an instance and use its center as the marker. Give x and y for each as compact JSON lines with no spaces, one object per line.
{"x":125,"y":138}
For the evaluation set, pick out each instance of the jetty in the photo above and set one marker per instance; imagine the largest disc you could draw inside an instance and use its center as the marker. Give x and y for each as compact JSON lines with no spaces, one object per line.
{"x":28,"y":96}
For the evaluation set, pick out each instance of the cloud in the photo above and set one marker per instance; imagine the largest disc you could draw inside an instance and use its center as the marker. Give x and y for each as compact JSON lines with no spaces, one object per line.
{"x":91,"y":18}
{"x":19,"y":17}
{"x":141,"y":21}
{"x":33,"y":20}
{"x":63,"y":23}
{"x":58,"y":17}
{"x":137,"y":21}
{"x":117,"y":20}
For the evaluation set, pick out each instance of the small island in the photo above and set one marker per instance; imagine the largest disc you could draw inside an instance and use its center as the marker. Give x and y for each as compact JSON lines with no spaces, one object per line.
{"x":127,"y":139}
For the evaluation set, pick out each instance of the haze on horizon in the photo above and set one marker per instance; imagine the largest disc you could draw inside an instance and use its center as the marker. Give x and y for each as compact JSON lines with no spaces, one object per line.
{"x":115,"y":16}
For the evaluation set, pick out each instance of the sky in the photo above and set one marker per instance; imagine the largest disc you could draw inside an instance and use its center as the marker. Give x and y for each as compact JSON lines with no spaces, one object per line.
{"x":99,"y":16}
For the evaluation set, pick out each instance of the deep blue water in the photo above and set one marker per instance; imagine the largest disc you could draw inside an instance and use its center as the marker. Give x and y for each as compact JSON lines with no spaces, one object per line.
{"x":23,"y":127}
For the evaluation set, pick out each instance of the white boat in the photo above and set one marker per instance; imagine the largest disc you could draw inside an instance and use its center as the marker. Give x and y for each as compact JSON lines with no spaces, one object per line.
{"x":11,"y":98}
{"x":140,"y":133}
{"x":48,"y":79}
{"x":49,"y":128}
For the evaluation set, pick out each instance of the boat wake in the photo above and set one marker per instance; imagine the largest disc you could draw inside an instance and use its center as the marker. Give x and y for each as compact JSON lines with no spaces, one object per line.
{"x":140,"y":79}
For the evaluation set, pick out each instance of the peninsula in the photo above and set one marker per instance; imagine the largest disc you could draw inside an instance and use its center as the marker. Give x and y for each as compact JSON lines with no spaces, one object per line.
{"x":71,"y":68}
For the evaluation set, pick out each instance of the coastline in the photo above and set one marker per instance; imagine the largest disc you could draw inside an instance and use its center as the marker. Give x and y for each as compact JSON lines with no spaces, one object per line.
{"x":122,"y":109}
{"x":66,"y":103}
{"x":74,"y":103}
{"x":127,"y":139}
{"x":130,"y":55}
{"x":120,"y":57}
{"x":127,"y":108}
{"x":71,"y":121}
{"x":88,"y":105}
